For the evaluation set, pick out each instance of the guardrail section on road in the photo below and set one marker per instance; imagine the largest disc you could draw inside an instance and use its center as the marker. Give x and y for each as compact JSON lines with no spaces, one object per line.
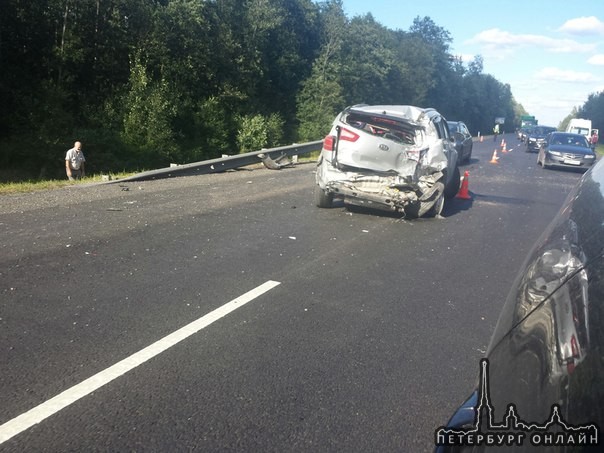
{"x":225,"y":163}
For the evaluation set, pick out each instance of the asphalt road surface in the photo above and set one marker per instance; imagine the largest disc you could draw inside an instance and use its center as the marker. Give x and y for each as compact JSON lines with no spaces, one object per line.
{"x":227,"y":313}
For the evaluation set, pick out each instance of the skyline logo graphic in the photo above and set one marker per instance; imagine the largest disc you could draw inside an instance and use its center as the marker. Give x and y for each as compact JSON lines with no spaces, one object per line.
{"x":513,"y":431}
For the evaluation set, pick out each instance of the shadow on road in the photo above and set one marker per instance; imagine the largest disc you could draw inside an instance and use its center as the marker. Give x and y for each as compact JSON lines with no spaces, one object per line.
{"x":473,"y":160}
{"x":456,"y":205}
{"x":452,"y":207}
{"x":501,"y":199}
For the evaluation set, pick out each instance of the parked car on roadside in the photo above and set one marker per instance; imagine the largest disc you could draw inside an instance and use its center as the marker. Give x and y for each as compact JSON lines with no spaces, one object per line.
{"x":542,"y":380}
{"x":562,"y":149}
{"x":536,"y":137}
{"x":463,"y":140}
{"x":391,"y":157}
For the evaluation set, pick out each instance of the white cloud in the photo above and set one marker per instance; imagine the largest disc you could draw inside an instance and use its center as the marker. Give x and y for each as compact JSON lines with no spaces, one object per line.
{"x":583,"y":26}
{"x":549,"y":112}
{"x":501,"y":40}
{"x":597,"y":60}
{"x":564,"y":75}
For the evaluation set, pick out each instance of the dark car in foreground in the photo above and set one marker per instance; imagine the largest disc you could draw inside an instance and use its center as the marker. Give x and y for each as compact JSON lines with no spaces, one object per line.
{"x":562,"y":149}
{"x":541,"y":383}
{"x":463,"y":140}
{"x":536,"y":137}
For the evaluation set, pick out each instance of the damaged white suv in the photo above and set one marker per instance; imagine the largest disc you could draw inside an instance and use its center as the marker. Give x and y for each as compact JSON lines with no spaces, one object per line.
{"x":391,"y":157}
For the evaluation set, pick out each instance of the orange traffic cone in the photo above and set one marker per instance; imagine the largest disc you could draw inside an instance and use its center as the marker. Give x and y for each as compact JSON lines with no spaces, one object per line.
{"x":481,"y":138}
{"x":494,"y":159}
{"x":504,"y":147}
{"x":464,"y":192}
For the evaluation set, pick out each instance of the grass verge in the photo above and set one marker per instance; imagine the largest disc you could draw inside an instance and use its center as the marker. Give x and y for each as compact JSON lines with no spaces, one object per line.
{"x":34,"y":186}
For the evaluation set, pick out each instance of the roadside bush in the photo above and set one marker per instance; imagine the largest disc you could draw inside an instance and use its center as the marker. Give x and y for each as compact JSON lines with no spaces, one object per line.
{"x":252,"y":135}
{"x":257,"y":132}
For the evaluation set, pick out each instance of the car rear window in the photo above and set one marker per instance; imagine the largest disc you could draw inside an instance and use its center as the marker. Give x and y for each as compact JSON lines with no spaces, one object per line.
{"x":386,"y":127}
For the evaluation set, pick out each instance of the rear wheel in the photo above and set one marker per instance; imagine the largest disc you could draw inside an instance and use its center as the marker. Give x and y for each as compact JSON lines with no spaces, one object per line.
{"x":429,"y":204}
{"x":323,"y":199}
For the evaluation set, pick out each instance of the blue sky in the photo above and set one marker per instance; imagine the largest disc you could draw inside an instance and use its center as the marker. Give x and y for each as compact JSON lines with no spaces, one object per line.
{"x":550,"y":52}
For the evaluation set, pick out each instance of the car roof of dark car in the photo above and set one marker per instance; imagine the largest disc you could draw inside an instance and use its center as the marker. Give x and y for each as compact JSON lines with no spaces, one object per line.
{"x":567,"y":134}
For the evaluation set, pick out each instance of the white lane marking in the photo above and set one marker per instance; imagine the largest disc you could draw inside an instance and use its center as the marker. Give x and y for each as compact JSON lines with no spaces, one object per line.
{"x":84,"y":388}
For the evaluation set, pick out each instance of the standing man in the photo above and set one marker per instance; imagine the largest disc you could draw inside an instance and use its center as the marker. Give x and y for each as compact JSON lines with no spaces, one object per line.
{"x":495,"y":132}
{"x":594,"y":139}
{"x":74,"y":162}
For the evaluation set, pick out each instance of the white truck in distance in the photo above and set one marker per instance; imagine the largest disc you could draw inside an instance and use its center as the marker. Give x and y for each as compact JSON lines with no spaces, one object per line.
{"x":579,"y":126}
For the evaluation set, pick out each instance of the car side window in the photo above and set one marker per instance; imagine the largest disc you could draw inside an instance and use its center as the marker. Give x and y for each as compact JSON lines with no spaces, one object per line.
{"x":441,"y":130}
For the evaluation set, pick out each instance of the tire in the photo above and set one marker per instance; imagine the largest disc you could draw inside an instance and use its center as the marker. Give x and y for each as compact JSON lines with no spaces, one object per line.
{"x":419,"y":209}
{"x":452,"y":188}
{"x":428,"y":205}
{"x":322,"y":198}
{"x":437,"y":207}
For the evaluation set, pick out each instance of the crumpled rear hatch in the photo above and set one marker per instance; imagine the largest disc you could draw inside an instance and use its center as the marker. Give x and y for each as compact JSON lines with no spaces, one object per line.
{"x":384,"y":141}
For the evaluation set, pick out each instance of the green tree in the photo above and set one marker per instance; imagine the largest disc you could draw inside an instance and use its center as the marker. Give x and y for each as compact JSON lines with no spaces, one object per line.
{"x":321,"y":94}
{"x":274,"y":130}
{"x":414,"y":65}
{"x":257,"y":132}
{"x":441,"y":78}
{"x":593,"y":109}
{"x":564,"y":123}
{"x":147,"y":83}
{"x":476,"y":66}
{"x":212,"y":126}
{"x":368,"y":62}
{"x":148,"y":115}
{"x":318,"y":102}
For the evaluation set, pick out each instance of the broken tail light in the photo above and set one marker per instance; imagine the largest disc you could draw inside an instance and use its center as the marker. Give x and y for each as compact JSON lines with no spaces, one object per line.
{"x":348,"y":135}
{"x":329,"y":142}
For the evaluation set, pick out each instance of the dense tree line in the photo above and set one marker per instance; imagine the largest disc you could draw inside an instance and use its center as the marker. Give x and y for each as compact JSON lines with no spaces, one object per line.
{"x":146,"y":83}
{"x":593,"y":109}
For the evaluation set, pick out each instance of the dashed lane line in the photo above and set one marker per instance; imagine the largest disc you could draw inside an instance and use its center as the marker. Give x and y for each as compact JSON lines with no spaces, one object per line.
{"x":84,"y":388}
